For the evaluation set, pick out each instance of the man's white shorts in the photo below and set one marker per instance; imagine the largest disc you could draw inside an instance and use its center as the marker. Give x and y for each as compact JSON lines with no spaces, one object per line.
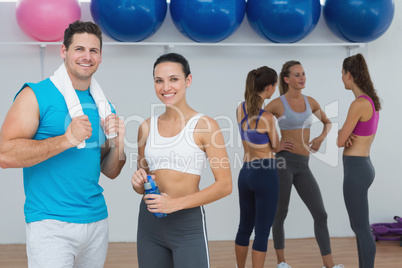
{"x":57,"y":244}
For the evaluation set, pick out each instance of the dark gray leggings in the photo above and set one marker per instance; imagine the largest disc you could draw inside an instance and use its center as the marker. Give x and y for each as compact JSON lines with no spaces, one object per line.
{"x":358,"y":176}
{"x":297,"y":172}
{"x":178,"y":240}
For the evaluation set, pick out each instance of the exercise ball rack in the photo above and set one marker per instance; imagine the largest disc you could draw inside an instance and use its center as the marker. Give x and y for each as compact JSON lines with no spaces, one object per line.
{"x":167,"y":46}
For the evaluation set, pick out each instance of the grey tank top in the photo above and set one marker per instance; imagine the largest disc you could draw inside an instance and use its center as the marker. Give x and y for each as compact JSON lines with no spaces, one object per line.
{"x":294,"y":120}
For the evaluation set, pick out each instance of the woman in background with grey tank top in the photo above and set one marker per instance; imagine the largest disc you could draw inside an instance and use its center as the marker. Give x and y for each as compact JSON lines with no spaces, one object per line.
{"x":294,"y":113}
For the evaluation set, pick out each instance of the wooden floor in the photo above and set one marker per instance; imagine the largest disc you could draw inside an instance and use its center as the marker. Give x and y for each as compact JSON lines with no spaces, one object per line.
{"x":301,"y":253}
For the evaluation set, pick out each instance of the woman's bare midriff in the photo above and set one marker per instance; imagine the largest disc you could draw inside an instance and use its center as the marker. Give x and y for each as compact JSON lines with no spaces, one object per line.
{"x":360,"y":146}
{"x":300,"y":139}
{"x":176,"y":184}
{"x":256,"y":151}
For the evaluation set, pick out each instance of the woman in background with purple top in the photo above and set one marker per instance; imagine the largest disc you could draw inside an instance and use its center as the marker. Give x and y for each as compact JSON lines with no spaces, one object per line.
{"x":357,"y":135}
{"x":258,"y":178}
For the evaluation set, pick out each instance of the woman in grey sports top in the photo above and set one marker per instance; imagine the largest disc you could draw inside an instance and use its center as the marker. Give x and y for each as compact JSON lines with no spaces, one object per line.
{"x":294,"y":113}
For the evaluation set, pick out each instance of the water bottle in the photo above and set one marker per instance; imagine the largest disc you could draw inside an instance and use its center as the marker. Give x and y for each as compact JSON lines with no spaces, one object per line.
{"x":151,"y":188}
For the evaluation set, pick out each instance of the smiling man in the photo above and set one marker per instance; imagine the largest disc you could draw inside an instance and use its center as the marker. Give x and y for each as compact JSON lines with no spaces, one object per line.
{"x":65,"y":211}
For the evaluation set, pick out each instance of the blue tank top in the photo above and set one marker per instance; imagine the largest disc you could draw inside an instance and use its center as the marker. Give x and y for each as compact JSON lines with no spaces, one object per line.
{"x":66,"y":186}
{"x":252,"y":135}
{"x":294,"y":120}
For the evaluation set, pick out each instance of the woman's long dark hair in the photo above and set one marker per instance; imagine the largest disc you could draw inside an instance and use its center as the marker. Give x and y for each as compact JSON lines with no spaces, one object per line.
{"x":257,"y":81}
{"x":357,"y":67}
{"x":177,"y":58}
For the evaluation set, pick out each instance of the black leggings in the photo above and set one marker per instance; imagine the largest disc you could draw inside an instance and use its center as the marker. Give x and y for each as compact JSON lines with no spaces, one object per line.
{"x":358,"y":176}
{"x":258,"y":198}
{"x":297,"y":172}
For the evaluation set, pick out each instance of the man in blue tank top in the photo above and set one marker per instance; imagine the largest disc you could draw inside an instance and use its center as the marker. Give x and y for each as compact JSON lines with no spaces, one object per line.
{"x":65,"y":211}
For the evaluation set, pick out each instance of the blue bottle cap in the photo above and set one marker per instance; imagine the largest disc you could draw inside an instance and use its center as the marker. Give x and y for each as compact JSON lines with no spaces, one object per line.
{"x":147,"y":186}
{"x":151,"y":182}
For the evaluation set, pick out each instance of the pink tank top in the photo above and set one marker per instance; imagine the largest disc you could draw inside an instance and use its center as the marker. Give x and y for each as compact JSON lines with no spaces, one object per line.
{"x":369,"y":127}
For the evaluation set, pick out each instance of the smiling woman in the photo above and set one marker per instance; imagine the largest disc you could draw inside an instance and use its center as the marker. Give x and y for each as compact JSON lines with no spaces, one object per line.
{"x":179,"y":135}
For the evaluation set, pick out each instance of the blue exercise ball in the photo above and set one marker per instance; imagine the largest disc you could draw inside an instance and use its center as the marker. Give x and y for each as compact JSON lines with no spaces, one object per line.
{"x":286,"y":21}
{"x":129,"y":20}
{"x":359,"y":20}
{"x":207,"y":21}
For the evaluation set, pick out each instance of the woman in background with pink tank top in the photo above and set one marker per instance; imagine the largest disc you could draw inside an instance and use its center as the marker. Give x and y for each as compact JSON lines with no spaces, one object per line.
{"x":356,"y":136}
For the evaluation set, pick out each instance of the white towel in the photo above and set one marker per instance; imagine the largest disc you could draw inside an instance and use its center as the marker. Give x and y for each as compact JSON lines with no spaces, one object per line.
{"x":63,"y":83}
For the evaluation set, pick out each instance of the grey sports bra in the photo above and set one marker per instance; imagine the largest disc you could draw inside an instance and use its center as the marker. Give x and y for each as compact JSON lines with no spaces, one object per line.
{"x":294,"y":120}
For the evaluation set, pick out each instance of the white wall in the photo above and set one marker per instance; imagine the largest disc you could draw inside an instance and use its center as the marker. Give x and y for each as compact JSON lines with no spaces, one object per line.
{"x":218,"y":86}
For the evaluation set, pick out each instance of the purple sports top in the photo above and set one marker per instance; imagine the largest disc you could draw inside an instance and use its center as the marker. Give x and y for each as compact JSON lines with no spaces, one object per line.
{"x":252,"y":135}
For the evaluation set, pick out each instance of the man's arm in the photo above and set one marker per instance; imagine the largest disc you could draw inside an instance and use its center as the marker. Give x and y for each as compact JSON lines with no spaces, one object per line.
{"x":113,"y":156}
{"x":18,"y":149}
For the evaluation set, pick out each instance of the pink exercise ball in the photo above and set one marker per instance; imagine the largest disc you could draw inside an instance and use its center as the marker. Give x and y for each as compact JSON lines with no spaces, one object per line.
{"x":46,"y":20}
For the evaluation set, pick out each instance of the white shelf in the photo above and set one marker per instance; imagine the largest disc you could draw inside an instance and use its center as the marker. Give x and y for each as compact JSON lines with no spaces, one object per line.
{"x":220,"y":44}
{"x":168,"y":45}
